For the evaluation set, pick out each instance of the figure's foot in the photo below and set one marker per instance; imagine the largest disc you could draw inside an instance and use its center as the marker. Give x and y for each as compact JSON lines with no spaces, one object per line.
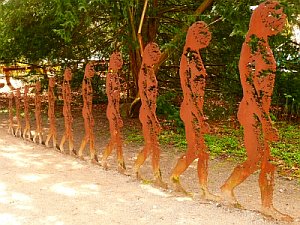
{"x":159,"y":183}
{"x":138,"y":175}
{"x":95,"y":161}
{"x":178,"y":187}
{"x":73,"y":152}
{"x":81,"y":157}
{"x":275,"y":214}
{"x":121,"y":169}
{"x":210,"y":197}
{"x":61,"y":149}
{"x":104,"y":164}
{"x":227,"y":197}
{"x":46,"y":144}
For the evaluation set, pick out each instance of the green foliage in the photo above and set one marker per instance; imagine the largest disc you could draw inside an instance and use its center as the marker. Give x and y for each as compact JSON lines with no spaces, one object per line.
{"x":168,"y":107}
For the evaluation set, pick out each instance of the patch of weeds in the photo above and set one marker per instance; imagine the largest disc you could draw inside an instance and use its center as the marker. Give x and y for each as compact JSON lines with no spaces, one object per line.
{"x":133,"y":136}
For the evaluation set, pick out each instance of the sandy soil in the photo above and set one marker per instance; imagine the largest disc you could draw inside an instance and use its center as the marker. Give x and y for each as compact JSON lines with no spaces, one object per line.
{"x":41,"y":186}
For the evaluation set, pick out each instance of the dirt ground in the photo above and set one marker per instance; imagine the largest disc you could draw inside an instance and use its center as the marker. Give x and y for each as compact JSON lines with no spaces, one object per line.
{"x":41,"y":186}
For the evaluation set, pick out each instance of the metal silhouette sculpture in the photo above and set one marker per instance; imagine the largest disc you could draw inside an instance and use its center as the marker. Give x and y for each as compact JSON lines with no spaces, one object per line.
{"x":87,"y":113}
{"x":38,"y":117}
{"x":193,"y":78}
{"x":27,"y":128}
{"x":67,"y":97}
{"x":10,"y":113}
{"x":257,"y":72}
{"x":148,"y":88}
{"x":51,"y":114}
{"x":113,"y":111}
{"x":18,"y":131}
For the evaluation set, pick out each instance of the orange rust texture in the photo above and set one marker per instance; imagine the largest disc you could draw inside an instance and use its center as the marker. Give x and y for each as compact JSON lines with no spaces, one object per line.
{"x":51,"y":114}
{"x":113,"y":111}
{"x":193,"y":76}
{"x":148,"y":87}
{"x":10,"y":112}
{"x":67,"y":96}
{"x":18,"y":113}
{"x":87,"y":113}
{"x":257,"y":72}
{"x":27,"y":129}
{"x":38,"y":117}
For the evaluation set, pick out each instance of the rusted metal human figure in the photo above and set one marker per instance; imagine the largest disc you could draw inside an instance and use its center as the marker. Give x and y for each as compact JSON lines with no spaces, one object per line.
{"x":18,"y":113}
{"x":193,"y":78}
{"x":51,"y":113}
{"x":10,"y":113}
{"x":257,"y":72}
{"x":87,"y":113}
{"x":38,"y":117}
{"x":113,"y":111}
{"x":148,"y":88}
{"x":67,"y":96}
{"x":27,"y":129}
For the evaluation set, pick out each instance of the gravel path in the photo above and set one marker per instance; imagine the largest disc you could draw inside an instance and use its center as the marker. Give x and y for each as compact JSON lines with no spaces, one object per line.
{"x":41,"y":186}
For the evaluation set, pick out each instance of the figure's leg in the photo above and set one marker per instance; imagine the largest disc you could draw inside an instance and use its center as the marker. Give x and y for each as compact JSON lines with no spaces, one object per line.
{"x":40,"y":137}
{"x":93,"y":155}
{"x":142,"y":156}
{"x":120,"y":158}
{"x":54,"y":140}
{"x":182,"y":164}
{"x":48,"y":139}
{"x":71,"y":145}
{"x":61,"y":145}
{"x":155,"y":165}
{"x":82,"y":146}
{"x":106,"y":153}
{"x":266,"y":184}
{"x":203,"y":176}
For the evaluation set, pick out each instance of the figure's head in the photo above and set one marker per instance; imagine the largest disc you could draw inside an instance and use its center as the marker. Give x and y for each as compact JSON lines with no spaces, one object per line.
{"x":269,"y":18}
{"x":38,"y":86}
{"x":52,"y":82}
{"x":198,"y":35}
{"x":68,"y":74}
{"x":115,"y":61}
{"x":89,"y":70}
{"x":26,"y":89}
{"x":151,"y":54}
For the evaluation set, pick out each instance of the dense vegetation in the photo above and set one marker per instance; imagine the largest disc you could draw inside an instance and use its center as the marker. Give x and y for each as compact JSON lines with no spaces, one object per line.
{"x":71,"y":32}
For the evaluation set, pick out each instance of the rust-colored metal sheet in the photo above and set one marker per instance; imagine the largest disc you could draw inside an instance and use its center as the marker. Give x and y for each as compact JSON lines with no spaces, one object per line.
{"x":193,"y":79}
{"x":148,"y":87}
{"x":27,"y":128}
{"x":38,"y":117}
{"x":68,"y":119}
{"x":18,"y":132}
{"x":113,"y":111}
{"x":51,"y":113}
{"x":10,"y":113}
{"x":87,"y":113}
{"x":257,"y":68}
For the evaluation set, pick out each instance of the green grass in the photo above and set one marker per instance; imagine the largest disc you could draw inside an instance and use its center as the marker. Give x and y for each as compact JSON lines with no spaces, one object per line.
{"x":228,"y":143}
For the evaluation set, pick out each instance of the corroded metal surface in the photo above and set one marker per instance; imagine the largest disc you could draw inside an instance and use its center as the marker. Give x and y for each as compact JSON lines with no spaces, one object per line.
{"x":10,"y":113}
{"x":148,"y":88}
{"x":38,"y":117}
{"x":51,"y":114}
{"x":193,"y":78}
{"x":87,"y":113}
{"x":18,"y":112}
{"x":257,"y":72}
{"x":113,"y":111}
{"x":67,"y":97}
{"x":27,"y":129}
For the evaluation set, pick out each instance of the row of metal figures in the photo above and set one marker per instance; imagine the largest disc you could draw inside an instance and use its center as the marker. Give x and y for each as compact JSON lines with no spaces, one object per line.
{"x":257,"y":71}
